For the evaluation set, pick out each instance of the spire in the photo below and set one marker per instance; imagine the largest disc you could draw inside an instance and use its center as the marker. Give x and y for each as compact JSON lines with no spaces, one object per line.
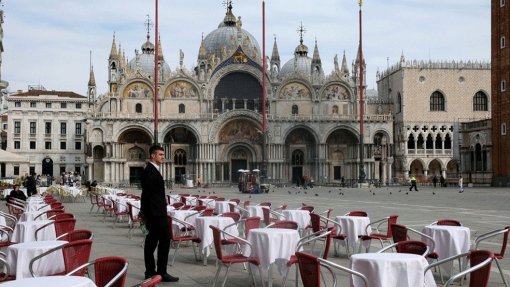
{"x":345,"y":68}
{"x":275,"y":56}
{"x":148,"y":47}
{"x":113,"y":51}
{"x":202,"y":52}
{"x":302,"y":49}
{"x":229,"y":20}
{"x":316,"y":59}
{"x":92,"y":78}
{"x":160,"y":50}
{"x":402,"y":58}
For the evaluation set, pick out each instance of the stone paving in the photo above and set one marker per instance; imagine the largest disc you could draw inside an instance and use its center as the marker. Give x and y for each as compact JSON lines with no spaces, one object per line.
{"x":480,"y":209}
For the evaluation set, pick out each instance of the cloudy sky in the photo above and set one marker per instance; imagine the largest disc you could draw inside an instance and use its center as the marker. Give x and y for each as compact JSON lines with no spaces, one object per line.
{"x":48,"y":42}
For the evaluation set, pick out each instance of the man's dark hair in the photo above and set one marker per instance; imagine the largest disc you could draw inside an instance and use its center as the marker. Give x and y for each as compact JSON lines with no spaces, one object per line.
{"x":155,"y":148}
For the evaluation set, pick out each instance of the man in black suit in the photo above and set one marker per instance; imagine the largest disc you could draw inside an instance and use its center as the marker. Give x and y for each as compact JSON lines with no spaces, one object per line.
{"x":31,"y":185}
{"x":153,"y":208}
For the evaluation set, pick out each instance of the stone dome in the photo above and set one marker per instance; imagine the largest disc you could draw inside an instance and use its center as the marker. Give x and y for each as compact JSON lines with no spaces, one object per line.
{"x":300,"y":63}
{"x":224,"y":41}
{"x":145,"y":60}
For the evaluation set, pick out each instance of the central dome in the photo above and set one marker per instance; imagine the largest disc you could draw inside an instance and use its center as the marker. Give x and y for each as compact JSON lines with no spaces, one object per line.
{"x":145,"y":61}
{"x":229,"y":35}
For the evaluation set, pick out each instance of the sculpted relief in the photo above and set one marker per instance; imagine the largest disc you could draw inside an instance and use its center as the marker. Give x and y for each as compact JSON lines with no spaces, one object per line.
{"x":335,"y":92}
{"x":181,"y":89}
{"x":138,"y":90}
{"x":238,"y":129}
{"x":295,"y":91}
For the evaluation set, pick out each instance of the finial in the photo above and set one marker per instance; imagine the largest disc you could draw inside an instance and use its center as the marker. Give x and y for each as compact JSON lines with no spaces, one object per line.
{"x":202,"y":36}
{"x":148,"y":25}
{"x":301,"y":32}
{"x":360,"y":2}
{"x":274,"y":35}
{"x":228,"y":4}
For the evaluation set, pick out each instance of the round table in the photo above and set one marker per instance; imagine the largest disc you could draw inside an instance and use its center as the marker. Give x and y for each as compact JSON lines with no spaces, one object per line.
{"x":353,"y":227}
{"x":391,"y":270}
{"x":25,"y":231}
{"x":52,"y":281}
{"x":204,"y":232}
{"x":19,"y":255}
{"x":302,"y":217}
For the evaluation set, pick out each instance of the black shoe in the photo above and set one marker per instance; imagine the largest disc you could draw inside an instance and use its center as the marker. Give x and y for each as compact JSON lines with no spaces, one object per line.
{"x":168,"y":278}
{"x":149,"y":275}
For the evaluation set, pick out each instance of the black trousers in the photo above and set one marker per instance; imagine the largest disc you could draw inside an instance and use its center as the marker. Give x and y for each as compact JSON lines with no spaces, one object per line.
{"x":158,"y":237}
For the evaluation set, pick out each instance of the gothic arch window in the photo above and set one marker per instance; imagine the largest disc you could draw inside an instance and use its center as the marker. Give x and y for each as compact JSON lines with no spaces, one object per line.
{"x":437,"y":102}
{"x":399,"y":103}
{"x":295,"y":109}
{"x":447,"y":142}
{"x":298,"y":157}
{"x":429,"y":143}
{"x":480,"y":102}
{"x":138,"y":108}
{"x":180,"y":157}
{"x":182,"y":108}
{"x":335,"y":110}
{"x":410,"y":142}
{"x":420,"y":142}
{"x":438,"y":142}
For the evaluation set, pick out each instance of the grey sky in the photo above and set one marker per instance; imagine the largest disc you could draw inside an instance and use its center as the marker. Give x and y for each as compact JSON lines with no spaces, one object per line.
{"x":48,"y":42}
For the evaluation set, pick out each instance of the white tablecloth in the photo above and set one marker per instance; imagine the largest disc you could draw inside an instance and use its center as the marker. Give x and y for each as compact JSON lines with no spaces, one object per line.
{"x":223,"y":206}
{"x":255,"y":210}
{"x":450,"y":241}
{"x":273,"y":245}
{"x":208,"y":202}
{"x":30,"y":215}
{"x":19,"y":256}
{"x":37,"y":206}
{"x":353,"y":226}
{"x":182,"y":214}
{"x":391,"y":270}
{"x":302,"y":217}
{"x":52,"y":281}
{"x":174,"y":198}
{"x":205,"y":233}
{"x":25,"y":231}
{"x":191,"y":200}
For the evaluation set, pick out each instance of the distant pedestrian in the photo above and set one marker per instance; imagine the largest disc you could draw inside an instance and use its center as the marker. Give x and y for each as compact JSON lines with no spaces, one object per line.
{"x":413,"y":183}
{"x":441,"y":180}
{"x":461,"y":184}
{"x":434,"y":181}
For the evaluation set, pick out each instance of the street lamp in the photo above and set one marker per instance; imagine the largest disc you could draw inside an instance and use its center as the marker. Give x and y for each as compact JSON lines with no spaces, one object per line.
{"x":361,"y":178}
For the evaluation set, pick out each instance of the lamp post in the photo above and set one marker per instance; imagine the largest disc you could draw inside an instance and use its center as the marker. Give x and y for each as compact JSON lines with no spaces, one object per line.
{"x":361,"y":178}
{"x":264,"y":116}
{"x":156,"y":66}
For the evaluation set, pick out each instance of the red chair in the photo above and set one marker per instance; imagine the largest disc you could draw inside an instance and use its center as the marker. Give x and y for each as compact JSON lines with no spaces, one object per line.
{"x":62,"y":215}
{"x":151,"y":282}
{"x":309,"y":208}
{"x":93,"y":201}
{"x":185,"y":236}
{"x":100,"y":202}
{"x":119,"y":214}
{"x":76,"y":253}
{"x":108,"y":271}
{"x":234,"y":215}
{"x":337,"y":234}
{"x":479,"y":271}
{"x":310,"y":269}
{"x":207,"y":212}
{"x":448,"y":222}
{"x":107,"y":207}
{"x":268,"y":204}
{"x":61,"y":226}
{"x":10,"y":220}
{"x":236,"y":200}
{"x":49,"y":213}
{"x":177,"y":205}
{"x":286,"y":224}
{"x":75,"y":235}
{"x":392,"y":219}
{"x":501,"y":254}
{"x":357,"y":213}
{"x":134,"y":220}
{"x":408,"y":246}
{"x":270,"y":216}
{"x":5,"y":236}
{"x":230,"y":259}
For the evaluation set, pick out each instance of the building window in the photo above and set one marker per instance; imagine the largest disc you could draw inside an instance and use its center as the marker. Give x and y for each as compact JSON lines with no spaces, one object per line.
{"x":63,"y":105}
{"x":17,"y":144}
{"x":78,"y":105}
{"x":47,"y":145}
{"x":63,"y":128}
{"x":480,"y":102}
{"x":335,"y":110}
{"x":78,"y":129}
{"x":295,"y":109}
{"x":437,"y":102}
{"x":32,"y":145}
{"x":33,"y":104}
{"x":77,"y":145}
{"x":502,"y":42}
{"x":182,"y":108}
{"x":47,"y":128}
{"x":33,"y":128}
{"x":180,"y":157}
{"x":48,"y":105}
{"x":17,"y":105}
{"x":16,"y":170}
{"x":501,"y":3}
{"x":297,"y":157}
{"x":399,"y":103}
{"x":62,"y":145}
{"x":138,"y":108}
{"x":31,"y":170}
{"x":17,"y":127}
{"x":503,"y":85}
{"x":503,"y":129}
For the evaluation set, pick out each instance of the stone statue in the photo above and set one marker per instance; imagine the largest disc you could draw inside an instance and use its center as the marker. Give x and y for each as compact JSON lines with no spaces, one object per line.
{"x":337,"y":67}
{"x":181,"y":57}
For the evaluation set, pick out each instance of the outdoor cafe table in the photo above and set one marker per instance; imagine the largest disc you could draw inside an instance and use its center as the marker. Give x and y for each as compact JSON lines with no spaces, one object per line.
{"x":353,"y":227}
{"x":391,"y":270}
{"x":450,"y":241}
{"x":204,"y":232}
{"x":301,"y":217}
{"x":190,"y":200}
{"x":223,"y":206}
{"x":256,"y":210}
{"x":208,"y":202}
{"x":19,"y":255}
{"x":183,"y":215}
{"x":174,"y":198}
{"x":51,"y":281}
{"x":272,"y":245}
{"x":30,"y":215}
{"x":25,"y":231}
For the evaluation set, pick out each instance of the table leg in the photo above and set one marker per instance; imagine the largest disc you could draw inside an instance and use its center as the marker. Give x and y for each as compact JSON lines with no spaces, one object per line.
{"x":270,"y":276}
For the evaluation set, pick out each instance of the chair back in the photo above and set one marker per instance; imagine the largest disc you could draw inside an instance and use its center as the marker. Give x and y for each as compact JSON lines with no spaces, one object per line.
{"x":501,"y":253}
{"x":268,"y":204}
{"x":220,"y":199}
{"x":151,"y":282}
{"x":199,"y":207}
{"x":309,"y":269}
{"x":234,"y":215}
{"x":131,"y":212}
{"x":64,"y":225}
{"x":357,"y":213}
{"x":412,"y":247}
{"x":308,"y":208}
{"x":251,"y":223}
{"x":111,"y":268}
{"x":480,"y":277}
{"x":392,"y":219}
{"x":76,"y":253}
{"x":177,"y":205}
{"x":315,"y":221}
{"x":79,"y":234}
{"x":62,"y":215}
{"x":448,"y":222}
{"x":287,"y":224}
{"x":246,"y":203}
{"x":217,"y":242}
{"x":399,"y":233}
{"x":236,"y":200}
{"x":207,"y":212}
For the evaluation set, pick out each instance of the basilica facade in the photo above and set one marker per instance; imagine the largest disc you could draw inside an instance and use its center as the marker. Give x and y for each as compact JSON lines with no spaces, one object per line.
{"x":210,"y":116}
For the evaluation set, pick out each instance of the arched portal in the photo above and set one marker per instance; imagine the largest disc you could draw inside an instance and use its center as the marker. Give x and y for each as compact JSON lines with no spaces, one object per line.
{"x":181,"y":154}
{"x":133,"y":144}
{"x":301,"y":148}
{"x":342,"y":151}
{"x":98,"y":169}
{"x":47,"y":166}
{"x":240,"y":158}
{"x":416,"y":168}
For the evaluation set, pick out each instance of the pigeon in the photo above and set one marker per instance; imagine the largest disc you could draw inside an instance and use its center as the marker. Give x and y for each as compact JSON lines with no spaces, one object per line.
{"x":272,"y":190}
{"x":316,"y":194}
{"x":433,"y":193}
{"x":407,"y":192}
{"x":390,"y":192}
{"x":330,"y":191}
{"x":373,"y":193}
{"x":288,"y":191}
{"x":400,"y":190}
{"x":249,"y":196}
{"x":214,"y":192}
{"x":306,"y":192}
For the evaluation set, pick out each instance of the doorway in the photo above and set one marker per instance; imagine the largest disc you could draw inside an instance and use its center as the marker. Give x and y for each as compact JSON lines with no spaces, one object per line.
{"x":180,"y":174}
{"x":238,"y":164}
{"x":297,"y":174}
{"x":135,"y":174}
